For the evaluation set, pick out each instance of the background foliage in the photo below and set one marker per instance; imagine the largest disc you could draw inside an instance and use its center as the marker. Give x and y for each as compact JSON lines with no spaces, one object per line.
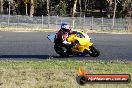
{"x":97,"y":8}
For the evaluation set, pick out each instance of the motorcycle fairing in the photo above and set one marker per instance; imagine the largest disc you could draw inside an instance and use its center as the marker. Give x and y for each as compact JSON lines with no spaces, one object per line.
{"x":81,"y":48}
{"x":83,"y":42}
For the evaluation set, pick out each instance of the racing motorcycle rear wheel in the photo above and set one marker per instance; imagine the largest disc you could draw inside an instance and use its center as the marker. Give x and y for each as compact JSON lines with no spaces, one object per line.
{"x":62,"y":51}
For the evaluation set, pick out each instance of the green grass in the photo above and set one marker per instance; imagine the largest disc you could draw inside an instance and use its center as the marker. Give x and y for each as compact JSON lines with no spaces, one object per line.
{"x":58,"y":73}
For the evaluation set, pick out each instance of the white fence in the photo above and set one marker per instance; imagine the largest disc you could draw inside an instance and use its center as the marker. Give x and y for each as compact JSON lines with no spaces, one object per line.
{"x":53,"y":22}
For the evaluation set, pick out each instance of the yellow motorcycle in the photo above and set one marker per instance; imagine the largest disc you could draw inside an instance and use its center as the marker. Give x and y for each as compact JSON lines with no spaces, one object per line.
{"x":80,"y":45}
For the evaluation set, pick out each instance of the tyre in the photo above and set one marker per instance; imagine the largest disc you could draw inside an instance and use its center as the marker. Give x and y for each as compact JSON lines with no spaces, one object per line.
{"x":94,"y":52}
{"x":81,"y":80}
{"x":62,"y":51}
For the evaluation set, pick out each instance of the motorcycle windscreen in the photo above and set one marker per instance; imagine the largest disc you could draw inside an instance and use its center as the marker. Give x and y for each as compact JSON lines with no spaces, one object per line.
{"x":51,"y":37}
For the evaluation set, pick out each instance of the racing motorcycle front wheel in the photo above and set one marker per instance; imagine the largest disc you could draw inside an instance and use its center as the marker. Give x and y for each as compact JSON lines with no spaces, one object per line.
{"x":94,"y":52}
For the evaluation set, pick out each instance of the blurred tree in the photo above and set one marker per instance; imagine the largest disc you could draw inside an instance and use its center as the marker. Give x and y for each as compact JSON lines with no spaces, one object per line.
{"x":5,"y":7}
{"x":31,"y":8}
{"x":48,"y":7}
{"x":64,"y":7}
{"x":73,"y":13}
{"x":61,"y":8}
{"x":21,"y":8}
{"x":41,"y":8}
{"x":13,"y":6}
{"x":27,"y":6}
{"x":1,"y":6}
{"x":127,"y":7}
{"x":69,"y":6}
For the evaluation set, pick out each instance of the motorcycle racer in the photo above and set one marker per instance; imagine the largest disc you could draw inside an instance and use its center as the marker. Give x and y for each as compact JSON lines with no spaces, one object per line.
{"x":63,"y":34}
{"x":67,"y":42}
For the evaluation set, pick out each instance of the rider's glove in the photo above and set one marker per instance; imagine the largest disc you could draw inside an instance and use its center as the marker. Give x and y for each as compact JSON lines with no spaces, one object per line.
{"x":67,"y":43}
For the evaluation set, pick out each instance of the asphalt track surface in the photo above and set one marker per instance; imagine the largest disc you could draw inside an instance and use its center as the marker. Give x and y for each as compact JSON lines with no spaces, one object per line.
{"x":36,"y":46}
